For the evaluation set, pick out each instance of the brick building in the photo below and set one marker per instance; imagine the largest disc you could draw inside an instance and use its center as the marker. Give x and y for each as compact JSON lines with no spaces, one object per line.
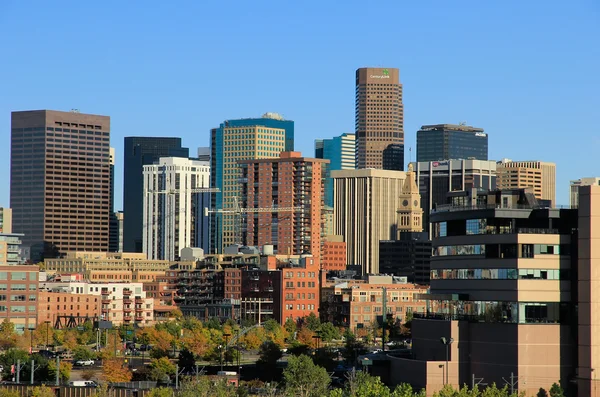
{"x":52,"y":304}
{"x":358,"y":303}
{"x":334,"y":253}
{"x":19,"y":295}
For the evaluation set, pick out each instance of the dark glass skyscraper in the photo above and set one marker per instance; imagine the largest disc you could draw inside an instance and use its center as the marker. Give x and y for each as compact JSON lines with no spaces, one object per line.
{"x":140,"y":151}
{"x":451,"y":142}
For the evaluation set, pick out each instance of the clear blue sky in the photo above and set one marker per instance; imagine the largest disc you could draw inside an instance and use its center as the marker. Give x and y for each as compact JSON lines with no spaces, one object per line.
{"x":526,"y":71}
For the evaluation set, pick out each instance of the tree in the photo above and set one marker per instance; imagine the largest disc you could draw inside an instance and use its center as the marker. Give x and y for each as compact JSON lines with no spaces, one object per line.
{"x":162,"y":369}
{"x":43,"y":334}
{"x":88,"y":374}
{"x":70,"y":340}
{"x":305,"y":336}
{"x":161,"y":392}
{"x":269,"y":353}
{"x":312,"y":322}
{"x":186,"y":361}
{"x":329,"y":332}
{"x":9,"y":393}
{"x":305,"y":379}
{"x":64,"y":370}
{"x":556,"y":391}
{"x":83,"y":353}
{"x":204,"y":387}
{"x":8,"y":335}
{"x":113,"y":370}
{"x":41,"y":391}
{"x":325,"y":358}
{"x":290,"y":327}
{"x":197,"y":341}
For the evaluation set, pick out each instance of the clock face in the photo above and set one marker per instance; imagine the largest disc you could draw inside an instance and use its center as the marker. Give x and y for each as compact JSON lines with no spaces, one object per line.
{"x":416,"y":203}
{"x":405,"y":203}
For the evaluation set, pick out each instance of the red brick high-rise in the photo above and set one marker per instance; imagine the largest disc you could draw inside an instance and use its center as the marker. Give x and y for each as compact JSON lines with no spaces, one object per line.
{"x":290,"y":181}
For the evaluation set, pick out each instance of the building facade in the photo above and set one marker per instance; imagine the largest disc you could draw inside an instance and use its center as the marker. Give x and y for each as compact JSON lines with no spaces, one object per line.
{"x":292,"y":186}
{"x":502,"y":285}
{"x":54,"y":306}
{"x":539,"y":175}
{"x":232,"y":141}
{"x":334,"y":253}
{"x":60,"y":181}
{"x":379,"y":118}
{"x":5,"y":220}
{"x":574,"y":189}
{"x":11,"y":252}
{"x":358,"y":304}
{"x":173,"y":208}
{"x":341,"y":153}
{"x":19,"y":295}
{"x":115,"y":238}
{"x":365,"y":211}
{"x":441,"y":142}
{"x":138,"y":152}
{"x":436,"y":178}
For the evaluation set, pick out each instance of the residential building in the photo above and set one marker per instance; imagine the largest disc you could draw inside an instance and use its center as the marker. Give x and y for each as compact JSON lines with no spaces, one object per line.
{"x":366,"y":204}
{"x":173,"y":209}
{"x":60,"y":181}
{"x":122,"y":303}
{"x":232,"y":141}
{"x":18,"y":301}
{"x":574,"y":189}
{"x":58,"y":305}
{"x":503,"y":285}
{"x":138,"y":152}
{"x":11,"y":252}
{"x":379,"y":119}
{"x":437,"y":178}
{"x":5,"y":220}
{"x":115,"y":237}
{"x":292,"y":186}
{"x":441,"y":142}
{"x":408,"y":256}
{"x":539,"y":175}
{"x":357,"y":304}
{"x":334,"y":253}
{"x":281,"y":290}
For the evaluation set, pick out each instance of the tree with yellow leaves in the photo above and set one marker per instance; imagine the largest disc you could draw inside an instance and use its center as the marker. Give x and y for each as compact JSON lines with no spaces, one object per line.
{"x":113,"y":370}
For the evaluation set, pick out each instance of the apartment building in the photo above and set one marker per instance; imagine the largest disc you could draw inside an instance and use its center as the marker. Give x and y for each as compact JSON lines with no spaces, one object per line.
{"x":334,"y":253}
{"x":538,"y":175}
{"x":359,"y":303}
{"x":11,"y":252}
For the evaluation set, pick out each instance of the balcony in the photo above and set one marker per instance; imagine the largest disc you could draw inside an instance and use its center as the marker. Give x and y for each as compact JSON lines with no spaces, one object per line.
{"x":127,"y":310}
{"x":127,"y":301}
{"x":138,"y":299}
{"x":105,"y":300}
{"x":139,"y":318}
{"x":126,"y":292}
{"x":138,"y":309}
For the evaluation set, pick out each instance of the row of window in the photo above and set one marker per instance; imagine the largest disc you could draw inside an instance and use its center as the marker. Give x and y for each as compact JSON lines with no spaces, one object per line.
{"x":18,"y":276}
{"x":17,"y":309}
{"x":18,"y":287}
{"x":500,"y":274}
{"x":500,"y":250}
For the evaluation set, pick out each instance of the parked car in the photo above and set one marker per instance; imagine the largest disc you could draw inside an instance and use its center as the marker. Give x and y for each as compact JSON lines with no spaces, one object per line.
{"x":84,"y":363}
{"x":83,"y":383}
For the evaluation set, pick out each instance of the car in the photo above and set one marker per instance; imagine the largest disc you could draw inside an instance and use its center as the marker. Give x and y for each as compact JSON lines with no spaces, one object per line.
{"x":83,"y":383}
{"x":84,"y":363}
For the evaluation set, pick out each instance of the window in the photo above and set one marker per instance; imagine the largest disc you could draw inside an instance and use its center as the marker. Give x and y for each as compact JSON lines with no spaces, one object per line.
{"x":17,"y":309}
{"x":18,"y":287}
{"x":19,"y":276}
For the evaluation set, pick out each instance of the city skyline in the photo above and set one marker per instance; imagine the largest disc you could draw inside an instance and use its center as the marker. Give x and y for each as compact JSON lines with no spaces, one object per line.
{"x":512,"y":75}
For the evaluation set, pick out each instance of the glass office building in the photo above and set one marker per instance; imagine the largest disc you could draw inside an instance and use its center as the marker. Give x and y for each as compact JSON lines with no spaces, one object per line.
{"x":448,"y":141}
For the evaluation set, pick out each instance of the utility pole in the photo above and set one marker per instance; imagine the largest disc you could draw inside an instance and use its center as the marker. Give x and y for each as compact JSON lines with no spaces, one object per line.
{"x":18,"y":371}
{"x":514,"y":380}
{"x":33,"y":369}
{"x":178,"y":372}
{"x":476,"y":382}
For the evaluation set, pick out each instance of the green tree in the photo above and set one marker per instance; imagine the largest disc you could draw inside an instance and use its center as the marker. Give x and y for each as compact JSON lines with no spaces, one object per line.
{"x":162,"y":369}
{"x":161,"y":392}
{"x":556,"y":390}
{"x":305,"y":379}
{"x":8,"y":335}
{"x":41,"y":391}
{"x":269,"y":353}
{"x":329,"y":332}
{"x":9,"y":393}
{"x":204,"y":387}
{"x":83,"y":353}
{"x":64,"y":370}
{"x":312,"y":322}
{"x":361,"y":384}
{"x":290,"y":327}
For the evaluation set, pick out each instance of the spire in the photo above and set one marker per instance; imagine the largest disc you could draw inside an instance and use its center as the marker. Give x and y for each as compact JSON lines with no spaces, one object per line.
{"x":410,"y":185}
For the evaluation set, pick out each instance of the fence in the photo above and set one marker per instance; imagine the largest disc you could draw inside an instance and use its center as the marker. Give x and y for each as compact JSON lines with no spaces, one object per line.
{"x":71,"y":391}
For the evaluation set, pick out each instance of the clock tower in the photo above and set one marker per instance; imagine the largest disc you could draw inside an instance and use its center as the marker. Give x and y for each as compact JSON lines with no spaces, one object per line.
{"x":410,"y":213}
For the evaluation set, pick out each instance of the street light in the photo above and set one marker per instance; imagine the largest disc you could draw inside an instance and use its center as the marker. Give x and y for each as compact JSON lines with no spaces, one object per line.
{"x":221,"y":356}
{"x":447,"y":342}
{"x":226,"y":346}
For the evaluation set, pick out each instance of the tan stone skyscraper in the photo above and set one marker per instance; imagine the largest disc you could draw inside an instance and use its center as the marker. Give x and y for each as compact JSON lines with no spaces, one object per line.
{"x":539,"y":175}
{"x":379,"y":119}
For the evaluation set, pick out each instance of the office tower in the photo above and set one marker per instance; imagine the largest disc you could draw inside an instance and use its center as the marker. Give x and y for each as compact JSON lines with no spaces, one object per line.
{"x":173,"y":214}
{"x":502,"y":286}
{"x":574,"y":189}
{"x":449,"y":141}
{"x":341,"y":153}
{"x":115,"y":237}
{"x":437,"y":178}
{"x":113,"y":222}
{"x":141,"y":151}
{"x":232,"y":141}
{"x":60,"y":181}
{"x":379,"y":118}
{"x":539,"y":175}
{"x":289,"y":181}
{"x":408,"y":256}
{"x":365,"y":211}
{"x":5,"y":220}
{"x":203,"y":154}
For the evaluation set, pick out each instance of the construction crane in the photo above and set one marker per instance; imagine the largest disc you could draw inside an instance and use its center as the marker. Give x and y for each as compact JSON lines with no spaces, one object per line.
{"x":238,"y":211}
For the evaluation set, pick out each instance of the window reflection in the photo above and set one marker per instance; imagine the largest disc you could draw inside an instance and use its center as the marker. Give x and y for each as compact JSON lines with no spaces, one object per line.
{"x":500,"y":274}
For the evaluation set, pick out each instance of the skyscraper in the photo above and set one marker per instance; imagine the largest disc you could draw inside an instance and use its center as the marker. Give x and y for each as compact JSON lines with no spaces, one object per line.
{"x":140,"y":151}
{"x":539,"y":175}
{"x":60,"y":181}
{"x":341,"y":153}
{"x":173,"y":215}
{"x":232,"y":141}
{"x":379,"y":118}
{"x":287,"y":181}
{"x":366,"y":204}
{"x":114,"y":221}
{"x":449,"y":141}
{"x":574,"y":189}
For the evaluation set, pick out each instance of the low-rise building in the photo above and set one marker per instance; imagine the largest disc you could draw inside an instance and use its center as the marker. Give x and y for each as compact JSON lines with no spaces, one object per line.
{"x":334,"y":253}
{"x":358,"y":303}
{"x":19,"y":295}
{"x":60,"y":307}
